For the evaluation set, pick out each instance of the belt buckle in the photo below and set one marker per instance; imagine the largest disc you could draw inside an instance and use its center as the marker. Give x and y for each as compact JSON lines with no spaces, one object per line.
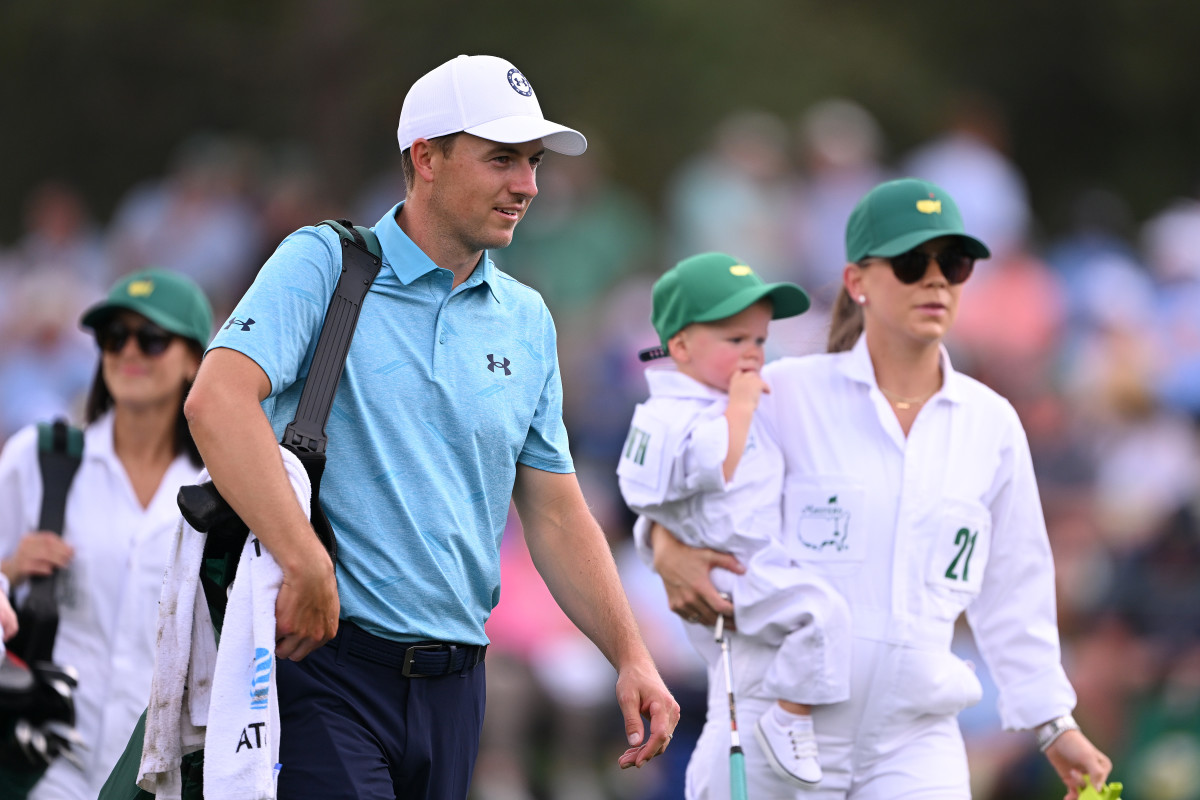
{"x":411,"y":654}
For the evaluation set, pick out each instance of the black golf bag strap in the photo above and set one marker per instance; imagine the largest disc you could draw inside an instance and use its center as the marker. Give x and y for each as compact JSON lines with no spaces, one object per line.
{"x":60,"y":450}
{"x":202,"y":506}
{"x":305,"y":435}
{"x":361,"y":259}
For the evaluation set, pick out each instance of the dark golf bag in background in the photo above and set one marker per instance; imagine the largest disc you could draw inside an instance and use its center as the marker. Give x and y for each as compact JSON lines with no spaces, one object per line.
{"x":37,"y":706}
{"x":37,"y":718}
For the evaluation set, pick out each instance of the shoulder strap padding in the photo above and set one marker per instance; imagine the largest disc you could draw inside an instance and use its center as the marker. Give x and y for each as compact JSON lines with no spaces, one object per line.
{"x":362,"y":236}
{"x":59,"y":437}
{"x":60,"y":449}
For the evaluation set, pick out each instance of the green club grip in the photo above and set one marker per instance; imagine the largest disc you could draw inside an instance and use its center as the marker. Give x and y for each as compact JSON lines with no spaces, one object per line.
{"x":737,"y":774}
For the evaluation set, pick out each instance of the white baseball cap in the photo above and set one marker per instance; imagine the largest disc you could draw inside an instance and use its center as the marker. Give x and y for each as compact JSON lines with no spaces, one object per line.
{"x":484,"y":96}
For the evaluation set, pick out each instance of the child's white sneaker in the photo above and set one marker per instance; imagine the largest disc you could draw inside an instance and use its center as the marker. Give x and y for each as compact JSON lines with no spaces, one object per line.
{"x":790,"y":746}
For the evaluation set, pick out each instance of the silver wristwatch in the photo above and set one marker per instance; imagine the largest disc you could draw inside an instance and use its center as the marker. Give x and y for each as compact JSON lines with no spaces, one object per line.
{"x":1048,"y":732}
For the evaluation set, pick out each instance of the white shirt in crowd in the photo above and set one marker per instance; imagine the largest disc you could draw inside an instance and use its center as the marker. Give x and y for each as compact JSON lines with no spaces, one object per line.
{"x":109,"y":595}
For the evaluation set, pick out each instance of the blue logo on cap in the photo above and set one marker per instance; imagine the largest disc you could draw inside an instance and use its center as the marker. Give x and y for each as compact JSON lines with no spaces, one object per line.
{"x":518,"y":82}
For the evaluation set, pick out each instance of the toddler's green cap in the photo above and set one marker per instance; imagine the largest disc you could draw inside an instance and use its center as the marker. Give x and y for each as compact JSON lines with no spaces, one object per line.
{"x":712,"y":286}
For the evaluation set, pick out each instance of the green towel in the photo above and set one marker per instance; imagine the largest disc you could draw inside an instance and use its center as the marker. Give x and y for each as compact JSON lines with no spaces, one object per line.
{"x":122,"y":781}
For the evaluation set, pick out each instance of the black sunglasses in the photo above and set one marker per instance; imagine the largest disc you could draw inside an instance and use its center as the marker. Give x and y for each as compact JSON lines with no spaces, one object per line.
{"x":151,"y":339}
{"x":910,"y":267}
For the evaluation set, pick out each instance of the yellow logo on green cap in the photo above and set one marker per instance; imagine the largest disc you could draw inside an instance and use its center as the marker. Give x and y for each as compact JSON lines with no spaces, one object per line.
{"x":741,"y":270}
{"x":142,"y":288}
{"x":929,"y":206}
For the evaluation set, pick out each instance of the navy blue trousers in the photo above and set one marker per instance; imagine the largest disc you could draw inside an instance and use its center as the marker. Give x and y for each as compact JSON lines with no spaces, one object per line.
{"x":353,"y":728}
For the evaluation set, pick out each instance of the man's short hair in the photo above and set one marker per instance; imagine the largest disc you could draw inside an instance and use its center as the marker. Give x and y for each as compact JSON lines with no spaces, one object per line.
{"x":443,"y":143}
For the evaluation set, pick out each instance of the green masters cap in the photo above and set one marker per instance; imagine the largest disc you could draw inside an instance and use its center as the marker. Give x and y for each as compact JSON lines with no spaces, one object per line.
{"x":713,"y":286}
{"x":897,"y":216}
{"x":173,"y":302}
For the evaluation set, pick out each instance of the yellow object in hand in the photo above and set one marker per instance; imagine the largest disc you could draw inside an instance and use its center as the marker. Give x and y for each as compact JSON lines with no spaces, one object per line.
{"x":1109,"y":791}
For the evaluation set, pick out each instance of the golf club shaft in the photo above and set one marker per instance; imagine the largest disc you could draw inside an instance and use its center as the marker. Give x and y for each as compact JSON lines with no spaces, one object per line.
{"x":737,"y":759}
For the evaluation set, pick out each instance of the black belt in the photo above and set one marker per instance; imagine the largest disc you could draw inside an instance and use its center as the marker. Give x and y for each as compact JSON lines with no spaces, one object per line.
{"x":416,"y":660}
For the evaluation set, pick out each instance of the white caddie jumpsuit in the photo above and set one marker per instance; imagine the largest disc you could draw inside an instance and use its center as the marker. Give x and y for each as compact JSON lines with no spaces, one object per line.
{"x":795,"y":625}
{"x":108,"y":612}
{"x":912,"y":531}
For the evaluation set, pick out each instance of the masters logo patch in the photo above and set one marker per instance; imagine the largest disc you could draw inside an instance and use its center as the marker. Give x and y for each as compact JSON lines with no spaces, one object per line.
{"x":929,"y":206}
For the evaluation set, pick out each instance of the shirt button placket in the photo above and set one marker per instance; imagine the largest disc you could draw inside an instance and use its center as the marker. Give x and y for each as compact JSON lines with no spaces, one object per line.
{"x":902,"y":605}
{"x":439,"y":331}
{"x":441,"y":312}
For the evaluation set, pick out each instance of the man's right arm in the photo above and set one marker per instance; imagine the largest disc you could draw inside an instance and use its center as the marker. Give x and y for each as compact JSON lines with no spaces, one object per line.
{"x":237,"y":443}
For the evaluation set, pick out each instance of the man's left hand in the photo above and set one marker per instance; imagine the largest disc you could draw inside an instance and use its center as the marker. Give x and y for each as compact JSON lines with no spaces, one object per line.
{"x":641,"y":692}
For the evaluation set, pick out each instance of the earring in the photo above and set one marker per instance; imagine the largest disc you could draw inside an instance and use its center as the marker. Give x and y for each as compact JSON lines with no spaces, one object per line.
{"x":862,"y":299}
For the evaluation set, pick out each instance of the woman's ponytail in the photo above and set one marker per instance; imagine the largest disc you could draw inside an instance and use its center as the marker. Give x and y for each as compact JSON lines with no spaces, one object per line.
{"x":846,"y":325}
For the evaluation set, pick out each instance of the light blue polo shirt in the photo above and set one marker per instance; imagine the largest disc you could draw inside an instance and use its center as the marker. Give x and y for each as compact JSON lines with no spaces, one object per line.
{"x":443,"y":393}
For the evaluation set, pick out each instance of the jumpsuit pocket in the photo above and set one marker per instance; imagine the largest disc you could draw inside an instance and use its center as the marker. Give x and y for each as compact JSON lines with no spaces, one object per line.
{"x":646,"y":457}
{"x":824,"y":523}
{"x":960,"y":542}
{"x":933,"y":682}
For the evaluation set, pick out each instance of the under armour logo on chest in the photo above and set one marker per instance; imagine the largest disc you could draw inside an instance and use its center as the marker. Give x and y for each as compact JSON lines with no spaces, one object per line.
{"x":503,"y":364}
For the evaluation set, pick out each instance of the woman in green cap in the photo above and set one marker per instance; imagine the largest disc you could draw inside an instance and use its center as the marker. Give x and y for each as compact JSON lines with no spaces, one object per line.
{"x":120,"y":512}
{"x":910,"y":488}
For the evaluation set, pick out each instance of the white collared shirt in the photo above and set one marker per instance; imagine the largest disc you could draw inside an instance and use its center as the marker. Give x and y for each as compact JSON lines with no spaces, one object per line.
{"x":914,"y":530}
{"x":109,"y":594}
{"x":672,"y":468}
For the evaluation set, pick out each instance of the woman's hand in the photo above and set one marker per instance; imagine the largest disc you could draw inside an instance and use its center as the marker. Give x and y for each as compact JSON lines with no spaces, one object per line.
{"x":685,"y":574}
{"x":1073,"y":756}
{"x":39,"y":553}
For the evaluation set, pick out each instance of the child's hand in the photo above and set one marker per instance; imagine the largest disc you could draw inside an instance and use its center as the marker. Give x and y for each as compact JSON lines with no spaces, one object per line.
{"x":745,"y":389}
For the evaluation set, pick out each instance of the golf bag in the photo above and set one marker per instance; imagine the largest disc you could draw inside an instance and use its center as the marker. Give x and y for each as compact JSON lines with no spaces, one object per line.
{"x":37,"y":706}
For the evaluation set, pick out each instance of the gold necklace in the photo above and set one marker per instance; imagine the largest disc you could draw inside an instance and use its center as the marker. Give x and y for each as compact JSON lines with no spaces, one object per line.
{"x":905,"y":403}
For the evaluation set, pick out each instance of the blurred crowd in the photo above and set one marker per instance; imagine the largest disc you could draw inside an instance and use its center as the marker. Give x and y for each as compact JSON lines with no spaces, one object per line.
{"x":1092,"y":333}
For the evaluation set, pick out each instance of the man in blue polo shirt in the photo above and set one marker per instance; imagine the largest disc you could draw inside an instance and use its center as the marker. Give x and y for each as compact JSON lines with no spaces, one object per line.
{"x":450,"y":405}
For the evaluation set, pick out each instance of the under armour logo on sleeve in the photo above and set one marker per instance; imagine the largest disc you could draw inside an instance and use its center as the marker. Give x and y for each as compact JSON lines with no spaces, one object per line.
{"x":245,"y":323}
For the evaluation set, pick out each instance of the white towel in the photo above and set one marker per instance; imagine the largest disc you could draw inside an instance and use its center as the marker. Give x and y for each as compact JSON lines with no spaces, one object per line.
{"x":242,"y":741}
{"x":200,"y":673}
{"x":241,"y":746}
{"x":166,"y":723}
